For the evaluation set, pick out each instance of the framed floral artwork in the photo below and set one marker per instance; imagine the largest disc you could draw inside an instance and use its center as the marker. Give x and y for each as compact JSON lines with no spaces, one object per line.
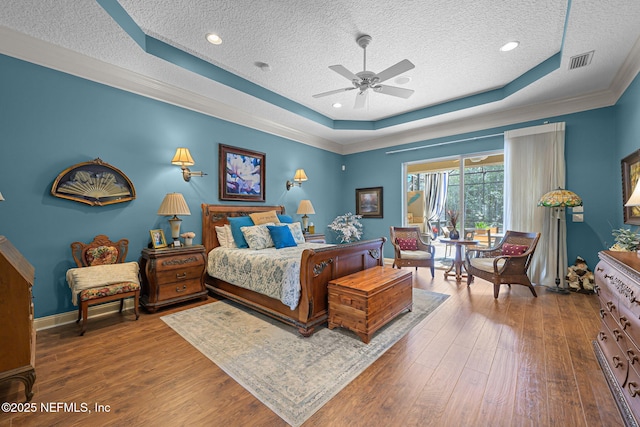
{"x":630,"y":176}
{"x":241,"y":174}
{"x":369,"y":202}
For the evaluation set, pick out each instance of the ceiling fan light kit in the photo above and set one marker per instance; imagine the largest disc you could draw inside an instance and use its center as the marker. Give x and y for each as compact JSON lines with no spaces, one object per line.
{"x":365,"y":80}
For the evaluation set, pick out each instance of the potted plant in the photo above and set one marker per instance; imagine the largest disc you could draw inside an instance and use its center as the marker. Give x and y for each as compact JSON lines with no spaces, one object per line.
{"x":347,"y":227}
{"x":453,"y":219}
{"x":188,"y":237}
{"x":626,"y":240}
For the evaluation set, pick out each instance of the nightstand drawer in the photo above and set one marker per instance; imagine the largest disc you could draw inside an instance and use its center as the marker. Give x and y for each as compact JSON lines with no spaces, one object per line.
{"x":180,"y":262}
{"x":178,"y":289}
{"x":179,"y":274}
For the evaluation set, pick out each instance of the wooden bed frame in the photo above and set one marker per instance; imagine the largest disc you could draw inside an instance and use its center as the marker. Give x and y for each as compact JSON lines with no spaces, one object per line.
{"x":317,"y":268}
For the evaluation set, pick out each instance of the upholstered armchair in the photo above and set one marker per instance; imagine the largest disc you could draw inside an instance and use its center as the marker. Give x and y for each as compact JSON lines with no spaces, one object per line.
{"x":410,"y":250}
{"x":505,"y":264}
{"x":102,"y":275}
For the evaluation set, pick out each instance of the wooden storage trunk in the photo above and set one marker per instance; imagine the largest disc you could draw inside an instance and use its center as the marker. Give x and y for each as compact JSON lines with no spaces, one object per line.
{"x":365,"y":301}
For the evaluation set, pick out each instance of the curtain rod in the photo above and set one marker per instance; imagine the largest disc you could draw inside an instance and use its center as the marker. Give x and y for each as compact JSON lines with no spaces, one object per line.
{"x":444,"y":143}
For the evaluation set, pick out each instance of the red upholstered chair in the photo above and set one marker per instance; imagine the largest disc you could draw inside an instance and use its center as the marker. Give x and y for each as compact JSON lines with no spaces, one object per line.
{"x":410,"y":250}
{"x":505,"y":264}
{"x":102,"y":275}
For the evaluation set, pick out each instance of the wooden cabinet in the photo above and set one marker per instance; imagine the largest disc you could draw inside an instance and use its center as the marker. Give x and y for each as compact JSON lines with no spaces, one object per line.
{"x":617,"y":346}
{"x":172,"y":275}
{"x":17,"y":334}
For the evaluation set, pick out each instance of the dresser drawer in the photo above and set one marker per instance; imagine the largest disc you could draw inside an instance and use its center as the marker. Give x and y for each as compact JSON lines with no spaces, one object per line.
{"x":181,"y":274}
{"x":178,"y":289}
{"x":613,"y":354}
{"x":180,"y":262}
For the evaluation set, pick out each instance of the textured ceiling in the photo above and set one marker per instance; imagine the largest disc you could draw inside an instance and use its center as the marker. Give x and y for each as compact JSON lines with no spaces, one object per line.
{"x":453,"y":45}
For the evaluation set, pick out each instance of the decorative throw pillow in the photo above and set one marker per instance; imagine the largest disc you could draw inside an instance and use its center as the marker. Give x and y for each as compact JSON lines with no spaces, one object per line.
{"x":264,"y":217}
{"x":510,"y":249}
{"x":257,"y":236}
{"x":281,"y":236}
{"x":407,"y":244}
{"x":296,"y":231}
{"x":285,"y":219}
{"x":102,"y":255}
{"x":236,"y":222}
{"x":225,"y":238}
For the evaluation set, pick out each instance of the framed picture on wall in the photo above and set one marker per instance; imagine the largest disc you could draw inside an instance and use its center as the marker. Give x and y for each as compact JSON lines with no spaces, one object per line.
{"x":630,"y":176}
{"x":369,"y":202}
{"x":241,"y":174}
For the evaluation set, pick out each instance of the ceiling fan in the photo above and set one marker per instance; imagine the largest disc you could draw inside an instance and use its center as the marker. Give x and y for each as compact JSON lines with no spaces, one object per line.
{"x":365,"y":80}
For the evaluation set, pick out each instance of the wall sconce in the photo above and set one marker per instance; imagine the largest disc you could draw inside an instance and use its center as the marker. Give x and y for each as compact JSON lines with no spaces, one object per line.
{"x":1,"y":198}
{"x":174,"y":204}
{"x":298,"y":178}
{"x":183,"y":159}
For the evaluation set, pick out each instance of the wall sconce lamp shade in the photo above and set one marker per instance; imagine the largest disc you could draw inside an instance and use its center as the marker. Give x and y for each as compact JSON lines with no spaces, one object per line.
{"x":1,"y":198}
{"x":183,"y":159}
{"x":305,"y":207}
{"x":174,"y":204}
{"x":634,"y":200}
{"x":559,"y":199}
{"x":298,"y":178}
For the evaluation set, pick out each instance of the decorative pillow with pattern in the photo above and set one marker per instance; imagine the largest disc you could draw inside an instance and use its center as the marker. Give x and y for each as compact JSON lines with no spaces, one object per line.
{"x":296,"y":231}
{"x":264,"y":217}
{"x":225,"y":238}
{"x":102,"y":255}
{"x":407,"y":244}
{"x":257,"y":236}
{"x":510,"y":249}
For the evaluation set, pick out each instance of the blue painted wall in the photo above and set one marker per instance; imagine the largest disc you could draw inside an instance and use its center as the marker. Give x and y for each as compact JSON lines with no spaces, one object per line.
{"x":51,"y":120}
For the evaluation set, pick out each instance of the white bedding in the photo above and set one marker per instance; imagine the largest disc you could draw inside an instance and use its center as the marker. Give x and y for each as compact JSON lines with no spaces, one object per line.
{"x":272,"y":272}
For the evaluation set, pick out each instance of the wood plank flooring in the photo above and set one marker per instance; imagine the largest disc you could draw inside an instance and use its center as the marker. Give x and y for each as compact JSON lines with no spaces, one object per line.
{"x":476,"y":361}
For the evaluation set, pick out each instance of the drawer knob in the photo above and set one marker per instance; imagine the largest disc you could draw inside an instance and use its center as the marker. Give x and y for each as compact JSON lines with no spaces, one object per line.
{"x":611,"y":306}
{"x":616,"y":362}
{"x":596,"y":289}
{"x":184,"y":288}
{"x":602,"y":336}
{"x":624,"y":322}
{"x":181,"y":276}
{"x":617,"y":334}
{"x":602,"y":313}
{"x":608,"y":276}
{"x":633,"y":388}
{"x":632,"y":356}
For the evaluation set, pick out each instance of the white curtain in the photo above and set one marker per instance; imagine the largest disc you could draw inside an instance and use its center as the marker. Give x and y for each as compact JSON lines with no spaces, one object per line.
{"x":534,"y":165}
{"x":435,"y":185}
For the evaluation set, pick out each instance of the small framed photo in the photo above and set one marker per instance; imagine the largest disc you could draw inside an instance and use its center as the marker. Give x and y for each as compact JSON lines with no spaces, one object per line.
{"x":157,"y":238}
{"x":369,"y":202}
{"x":630,"y":177}
{"x":241,"y":174}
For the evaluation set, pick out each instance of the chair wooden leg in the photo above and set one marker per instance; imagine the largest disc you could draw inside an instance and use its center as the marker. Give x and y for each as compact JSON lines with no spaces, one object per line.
{"x":496,"y":290}
{"x":433,"y":270}
{"x":79,"y":312}
{"x":85,"y":311}
{"x":136,"y":302}
{"x":121,"y":304}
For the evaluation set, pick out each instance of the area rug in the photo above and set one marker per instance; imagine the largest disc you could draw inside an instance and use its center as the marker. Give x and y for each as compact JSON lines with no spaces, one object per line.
{"x":271,"y":359}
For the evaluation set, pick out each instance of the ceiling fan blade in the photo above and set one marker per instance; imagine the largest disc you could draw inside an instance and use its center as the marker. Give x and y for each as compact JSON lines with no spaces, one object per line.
{"x":394,"y":70}
{"x":344,"y":72}
{"x":361,"y":99}
{"x":331,"y":92}
{"x":394,"y":91}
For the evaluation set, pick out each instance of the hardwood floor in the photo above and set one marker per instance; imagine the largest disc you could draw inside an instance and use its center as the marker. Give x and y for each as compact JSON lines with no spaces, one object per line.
{"x":476,"y":361}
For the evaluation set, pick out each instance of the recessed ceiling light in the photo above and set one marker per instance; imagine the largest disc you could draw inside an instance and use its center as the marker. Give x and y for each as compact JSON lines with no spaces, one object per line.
{"x":509,"y":46}
{"x":337,"y":105}
{"x":214,"y":38}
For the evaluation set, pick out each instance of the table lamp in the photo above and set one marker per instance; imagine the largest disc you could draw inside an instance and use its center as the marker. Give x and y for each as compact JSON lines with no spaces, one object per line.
{"x":174,"y":204}
{"x":305,"y":207}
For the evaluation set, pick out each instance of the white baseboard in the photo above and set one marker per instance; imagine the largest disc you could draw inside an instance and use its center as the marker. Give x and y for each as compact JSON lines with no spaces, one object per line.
{"x":71,"y":316}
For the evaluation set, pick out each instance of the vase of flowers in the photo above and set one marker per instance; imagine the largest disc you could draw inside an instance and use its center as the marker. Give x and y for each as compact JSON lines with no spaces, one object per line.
{"x":188,"y":237}
{"x":453,"y":218}
{"x":348,"y":227}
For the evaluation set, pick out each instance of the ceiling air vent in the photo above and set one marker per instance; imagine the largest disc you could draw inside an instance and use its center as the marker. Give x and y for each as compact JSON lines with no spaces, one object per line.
{"x":580,"y":60}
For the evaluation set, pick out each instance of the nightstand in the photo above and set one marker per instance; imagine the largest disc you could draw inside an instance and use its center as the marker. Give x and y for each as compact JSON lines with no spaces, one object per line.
{"x":172,"y":275}
{"x":314,"y":238}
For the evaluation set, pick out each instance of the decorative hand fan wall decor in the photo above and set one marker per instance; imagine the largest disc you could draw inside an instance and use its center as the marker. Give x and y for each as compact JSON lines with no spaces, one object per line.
{"x":365,"y":80}
{"x":95,"y":183}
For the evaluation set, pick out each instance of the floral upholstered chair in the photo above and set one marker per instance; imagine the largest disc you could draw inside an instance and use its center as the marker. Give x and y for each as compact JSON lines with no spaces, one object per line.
{"x":505,"y":264}
{"x":410,"y":250}
{"x":102,"y":275}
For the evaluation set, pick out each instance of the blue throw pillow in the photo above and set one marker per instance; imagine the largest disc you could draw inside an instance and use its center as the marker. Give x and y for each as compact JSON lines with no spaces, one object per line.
{"x":235,"y":222}
{"x":285,"y":219}
{"x":281,"y":236}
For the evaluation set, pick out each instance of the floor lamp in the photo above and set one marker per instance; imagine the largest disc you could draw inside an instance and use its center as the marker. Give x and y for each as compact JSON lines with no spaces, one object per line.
{"x":559,"y":199}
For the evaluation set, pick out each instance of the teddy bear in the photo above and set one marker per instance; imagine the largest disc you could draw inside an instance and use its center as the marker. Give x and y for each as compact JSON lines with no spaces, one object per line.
{"x":580,"y":278}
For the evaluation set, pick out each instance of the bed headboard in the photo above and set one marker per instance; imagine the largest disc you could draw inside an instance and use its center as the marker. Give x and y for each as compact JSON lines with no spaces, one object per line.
{"x":216,"y":215}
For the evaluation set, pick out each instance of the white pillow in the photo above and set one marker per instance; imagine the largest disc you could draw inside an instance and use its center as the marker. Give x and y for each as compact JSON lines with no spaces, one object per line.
{"x":225,"y":238}
{"x":296,"y":231}
{"x":258,"y":236}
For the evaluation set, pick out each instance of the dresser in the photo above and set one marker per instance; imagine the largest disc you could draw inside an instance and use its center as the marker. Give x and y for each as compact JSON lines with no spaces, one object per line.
{"x":172,"y":275}
{"x":617,"y":345}
{"x":17,"y":335}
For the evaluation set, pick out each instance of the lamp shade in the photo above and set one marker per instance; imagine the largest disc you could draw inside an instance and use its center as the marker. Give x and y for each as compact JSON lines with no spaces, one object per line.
{"x":174,"y":204}
{"x":634,"y":200}
{"x":182,"y":157}
{"x":305,"y":207}
{"x":560,"y":199}
{"x":1,"y":198}
{"x":300,"y":176}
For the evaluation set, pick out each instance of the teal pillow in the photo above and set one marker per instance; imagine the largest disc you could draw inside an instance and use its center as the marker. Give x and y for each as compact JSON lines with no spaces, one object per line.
{"x":285,"y":219}
{"x":235,"y":222}
{"x":281,"y":236}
